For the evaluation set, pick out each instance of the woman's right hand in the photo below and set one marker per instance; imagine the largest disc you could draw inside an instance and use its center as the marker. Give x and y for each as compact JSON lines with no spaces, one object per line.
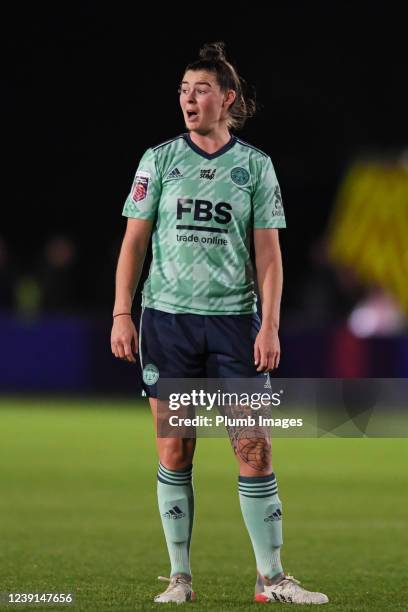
{"x":124,"y":342}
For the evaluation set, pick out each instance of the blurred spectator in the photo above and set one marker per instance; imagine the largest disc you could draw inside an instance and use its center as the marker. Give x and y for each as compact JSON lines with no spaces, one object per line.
{"x":101,"y":279}
{"x":58,"y":277}
{"x":101,"y":273}
{"x":378,"y":314}
{"x":326,"y":295}
{"x":28,"y":297}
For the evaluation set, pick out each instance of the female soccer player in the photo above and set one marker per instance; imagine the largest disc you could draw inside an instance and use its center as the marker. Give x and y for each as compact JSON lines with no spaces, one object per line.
{"x":201,"y":195}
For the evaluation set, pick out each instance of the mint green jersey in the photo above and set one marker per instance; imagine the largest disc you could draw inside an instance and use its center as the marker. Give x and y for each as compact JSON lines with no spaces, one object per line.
{"x":203,"y":208}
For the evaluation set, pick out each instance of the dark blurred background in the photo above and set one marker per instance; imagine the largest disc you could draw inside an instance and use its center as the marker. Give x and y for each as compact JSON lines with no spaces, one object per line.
{"x":88,"y":87}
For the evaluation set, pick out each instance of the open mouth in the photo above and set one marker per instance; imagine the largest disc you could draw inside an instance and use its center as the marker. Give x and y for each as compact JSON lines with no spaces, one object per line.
{"x":192,"y":115}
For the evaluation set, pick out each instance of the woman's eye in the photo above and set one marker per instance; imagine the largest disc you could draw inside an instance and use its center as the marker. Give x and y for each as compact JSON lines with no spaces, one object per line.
{"x":186,"y":92}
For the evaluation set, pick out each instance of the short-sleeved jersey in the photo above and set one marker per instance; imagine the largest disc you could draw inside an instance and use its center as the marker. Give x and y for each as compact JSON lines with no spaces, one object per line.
{"x":204,"y":208}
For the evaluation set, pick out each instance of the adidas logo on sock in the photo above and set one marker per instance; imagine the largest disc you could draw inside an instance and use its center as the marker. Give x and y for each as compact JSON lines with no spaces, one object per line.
{"x":174,"y":174}
{"x":174,"y":513}
{"x":275,"y":516}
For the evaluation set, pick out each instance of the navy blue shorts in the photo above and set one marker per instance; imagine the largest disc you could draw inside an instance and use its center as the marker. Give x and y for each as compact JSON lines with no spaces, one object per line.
{"x":196,"y":346}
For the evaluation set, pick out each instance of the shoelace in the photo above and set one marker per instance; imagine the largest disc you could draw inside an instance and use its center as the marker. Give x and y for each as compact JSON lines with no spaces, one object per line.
{"x":292,"y":579}
{"x":171,"y":586}
{"x":288,"y":582}
{"x":283,"y":581}
{"x":176,"y":580}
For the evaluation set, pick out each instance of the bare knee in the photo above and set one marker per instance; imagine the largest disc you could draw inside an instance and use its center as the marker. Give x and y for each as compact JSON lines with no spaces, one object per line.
{"x":176,"y":453}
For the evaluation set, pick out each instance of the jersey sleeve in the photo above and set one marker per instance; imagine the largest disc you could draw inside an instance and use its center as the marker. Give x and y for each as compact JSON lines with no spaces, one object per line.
{"x":144,"y":196}
{"x":266,"y":199}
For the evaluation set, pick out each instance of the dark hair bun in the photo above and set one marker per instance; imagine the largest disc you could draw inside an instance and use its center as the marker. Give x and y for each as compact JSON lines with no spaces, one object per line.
{"x":213,"y":52}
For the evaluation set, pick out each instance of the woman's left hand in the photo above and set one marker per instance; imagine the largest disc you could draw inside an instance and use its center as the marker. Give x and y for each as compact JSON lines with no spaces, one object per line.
{"x":267,"y":349}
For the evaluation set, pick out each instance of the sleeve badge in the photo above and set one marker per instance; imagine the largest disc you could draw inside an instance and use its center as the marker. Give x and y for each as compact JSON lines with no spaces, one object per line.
{"x":140,"y":186}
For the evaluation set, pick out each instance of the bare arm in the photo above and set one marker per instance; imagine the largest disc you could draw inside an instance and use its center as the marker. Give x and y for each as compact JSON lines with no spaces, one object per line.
{"x":270,"y":280}
{"x":129,"y":268}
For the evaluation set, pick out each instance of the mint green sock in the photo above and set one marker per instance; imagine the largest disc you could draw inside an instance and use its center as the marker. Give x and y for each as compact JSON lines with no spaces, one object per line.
{"x":176,"y":504}
{"x":262,"y":512}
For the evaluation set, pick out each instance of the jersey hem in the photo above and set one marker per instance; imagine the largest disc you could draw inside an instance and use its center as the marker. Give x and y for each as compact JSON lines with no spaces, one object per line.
{"x":142,"y":218}
{"x":169,"y":308}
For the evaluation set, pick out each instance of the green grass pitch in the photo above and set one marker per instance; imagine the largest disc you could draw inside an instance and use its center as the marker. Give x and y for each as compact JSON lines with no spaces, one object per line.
{"x":78,"y":512}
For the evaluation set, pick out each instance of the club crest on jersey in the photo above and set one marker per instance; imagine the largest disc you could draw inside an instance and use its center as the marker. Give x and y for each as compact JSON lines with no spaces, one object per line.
{"x":140,"y":186}
{"x":240,"y":176}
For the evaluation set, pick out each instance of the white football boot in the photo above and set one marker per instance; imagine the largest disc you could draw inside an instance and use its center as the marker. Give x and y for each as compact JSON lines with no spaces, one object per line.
{"x":178,"y":591}
{"x":287,"y":590}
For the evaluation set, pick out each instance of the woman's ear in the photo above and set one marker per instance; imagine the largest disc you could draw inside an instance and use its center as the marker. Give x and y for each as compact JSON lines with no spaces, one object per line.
{"x":229,"y":98}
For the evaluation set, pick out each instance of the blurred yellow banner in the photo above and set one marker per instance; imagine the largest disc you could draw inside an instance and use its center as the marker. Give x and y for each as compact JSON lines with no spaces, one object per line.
{"x":369,"y":228}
